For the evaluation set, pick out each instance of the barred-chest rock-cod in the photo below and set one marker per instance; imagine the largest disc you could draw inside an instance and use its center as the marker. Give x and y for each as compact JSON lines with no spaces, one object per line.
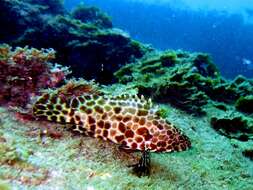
{"x":128,"y":121}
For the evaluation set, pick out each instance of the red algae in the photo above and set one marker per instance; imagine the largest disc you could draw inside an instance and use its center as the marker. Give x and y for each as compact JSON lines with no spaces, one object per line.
{"x":24,"y":72}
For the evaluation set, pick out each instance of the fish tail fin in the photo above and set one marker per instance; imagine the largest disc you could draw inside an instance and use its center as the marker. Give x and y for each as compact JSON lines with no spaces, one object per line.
{"x":51,"y":107}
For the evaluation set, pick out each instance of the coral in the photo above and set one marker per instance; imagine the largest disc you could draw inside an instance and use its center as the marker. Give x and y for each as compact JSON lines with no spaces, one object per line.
{"x":234,"y":126}
{"x":245,"y":104}
{"x":24,"y":72}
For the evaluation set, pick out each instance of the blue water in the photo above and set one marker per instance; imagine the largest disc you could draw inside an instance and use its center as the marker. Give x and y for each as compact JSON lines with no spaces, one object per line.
{"x":222,"y":29}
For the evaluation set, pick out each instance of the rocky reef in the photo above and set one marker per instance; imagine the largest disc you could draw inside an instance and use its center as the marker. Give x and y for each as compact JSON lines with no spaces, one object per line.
{"x":234,"y":126}
{"x":185,"y":80}
{"x":25,"y":72}
{"x":83,"y":39}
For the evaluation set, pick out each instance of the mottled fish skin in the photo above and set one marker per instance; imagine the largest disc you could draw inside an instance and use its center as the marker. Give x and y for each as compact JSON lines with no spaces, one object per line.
{"x":128,"y":121}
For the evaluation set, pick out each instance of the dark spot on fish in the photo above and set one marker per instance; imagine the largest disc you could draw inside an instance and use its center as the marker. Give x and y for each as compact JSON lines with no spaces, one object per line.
{"x":91,"y":103}
{"x":87,"y":97}
{"x":107,"y":125}
{"x":117,"y":110}
{"x":100,"y":124}
{"x":155,"y":122}
{"x":43,"y":99}
{"x":50,"y":107}
{"x":138,"y":139}
{"x":142,"y":121}
{"x":53,"y":99}
{"x":56,"y":112}
{"x":65,"y":112}
{"x":62,"y":119}
{"x":77,"y":117}
{"x":169,"y":132}
{"x":72,"y":120}
{"x":101,"y":102}
{"x":74,"y":103}
{"x":104,"y":116}
{"x":161,"y":144}
{"x":133,"y":145}
{"x":153,"y":146}
{"x":105,"y":133}
{"x":126,"y":119}
{"x":40,"y":107}
{"x":99,"y":109}
{"x":91,"y":120}
{"x":119,"y":118}
{"x":119,"y":138}
{"x":58,"y":107}
{"x":49,"y":113}
{"x":95,"y":97}
{"x":71,"y":113}
{"x":93,"y":128}
{"x":53,"y":118}
{"x":122,"y":127}
{"x":142,"y":112}
{"x":88,"y":111}
{"x":40,"y":112}
{"x":67,"y":104}
{"x":81,"y":99}
{"x":129,"y":134}
{"x":136,"y":119}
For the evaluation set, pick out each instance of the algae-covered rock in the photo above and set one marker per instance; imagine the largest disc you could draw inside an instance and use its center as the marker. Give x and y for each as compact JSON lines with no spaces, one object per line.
{"x":84,"y":40}
{"x":238,"y":126}
{"x":245,"y":104}
{"x":93,"y":15}
{"x":186,"y":80}
{"x":177,"y":77}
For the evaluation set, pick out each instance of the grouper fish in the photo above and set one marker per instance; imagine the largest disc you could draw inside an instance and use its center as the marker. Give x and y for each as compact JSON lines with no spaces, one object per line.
{"x":131,"y":122}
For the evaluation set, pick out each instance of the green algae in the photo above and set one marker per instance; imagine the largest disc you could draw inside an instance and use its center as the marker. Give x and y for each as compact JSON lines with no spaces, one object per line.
{"x":245,"y":104}
{"x":168,"y":77}
{"x":183,"y":79}
{"x":235,"y":126}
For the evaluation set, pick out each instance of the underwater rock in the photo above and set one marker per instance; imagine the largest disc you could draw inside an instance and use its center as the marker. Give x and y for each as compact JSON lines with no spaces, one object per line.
{"x":185,"y":80}
{"x":83,"y":41}
{"x":25,"y":16}
{"x":53,"y":7}
{"x":245,"y":104}
{"x":177,"y":77}
{"x":24,"y":72}
{"x":238,"y":127}
{"x":92,"y":15}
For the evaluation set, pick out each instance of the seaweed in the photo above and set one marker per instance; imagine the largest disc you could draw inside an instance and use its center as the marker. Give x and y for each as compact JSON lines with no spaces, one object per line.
{"x":245,"y":104}
{"x":237,"y":126}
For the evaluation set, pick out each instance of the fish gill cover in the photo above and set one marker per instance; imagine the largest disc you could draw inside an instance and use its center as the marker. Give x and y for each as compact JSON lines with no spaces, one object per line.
{"x":187,"y":91}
